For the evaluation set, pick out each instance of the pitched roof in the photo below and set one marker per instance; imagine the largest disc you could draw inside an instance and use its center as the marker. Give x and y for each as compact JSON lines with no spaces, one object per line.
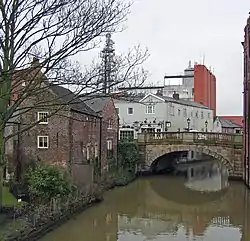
{"x":138,"y":98}
{"x":183,"y":102}
{"x":70,"y":99}
{"x":235,"y":119}
{"x":227,"y":123}
{"x":96,"y":103}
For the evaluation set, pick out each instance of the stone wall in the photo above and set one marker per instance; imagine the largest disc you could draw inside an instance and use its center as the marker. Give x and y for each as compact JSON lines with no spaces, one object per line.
{"x":230,"y":157}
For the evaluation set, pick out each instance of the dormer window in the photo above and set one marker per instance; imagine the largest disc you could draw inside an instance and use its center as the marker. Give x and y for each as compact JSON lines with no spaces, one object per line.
{"x":23,"y":83}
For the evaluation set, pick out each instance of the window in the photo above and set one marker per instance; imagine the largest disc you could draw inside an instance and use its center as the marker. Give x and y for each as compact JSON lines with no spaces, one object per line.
{"x":179,"y":112}
{"x":109,"y":145}
{"x":191,"y":114}
{"x":43,"y":142}
{"x":42,"y":117}
{"x":192,"y":91}
{"x":117,"y":111}
{"x":88,"y":153}
{"x":202,"y":116}
{"x":126,"y":135}
{"x":185,"y":112}
{"x":130,"y":111}
{"x":208,"y":115}
{"x":171,"y":109}
{"x":196,"y":114}
{"x":96,"y":150}
{"x":150,"y":109}
{"x":110,"y":124}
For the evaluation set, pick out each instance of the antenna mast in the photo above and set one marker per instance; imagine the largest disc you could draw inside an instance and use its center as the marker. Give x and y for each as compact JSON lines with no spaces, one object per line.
{"x":108,"y":65}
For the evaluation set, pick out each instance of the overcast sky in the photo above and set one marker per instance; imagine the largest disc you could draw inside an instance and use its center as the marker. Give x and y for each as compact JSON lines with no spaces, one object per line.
{"x":182,"y":30}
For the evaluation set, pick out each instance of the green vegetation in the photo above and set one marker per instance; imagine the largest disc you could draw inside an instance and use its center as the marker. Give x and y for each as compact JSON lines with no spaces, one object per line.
{"x":123,"y":170}
{"x":128,"y":155}
{"x":8,"y":198}
{"x":46,"y":182}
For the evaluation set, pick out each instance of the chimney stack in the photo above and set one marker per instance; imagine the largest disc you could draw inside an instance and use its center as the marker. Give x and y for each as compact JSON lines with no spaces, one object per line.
{"x":35,"y":63}
{"x":176,"y":96}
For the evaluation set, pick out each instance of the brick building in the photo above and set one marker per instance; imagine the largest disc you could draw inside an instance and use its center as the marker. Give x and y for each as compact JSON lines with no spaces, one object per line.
{"x":205,"y":87}
{"x":198,"y":84}
{"x":246,"y":111}
{"x":69,"y":133}
{"x":104,"y":106}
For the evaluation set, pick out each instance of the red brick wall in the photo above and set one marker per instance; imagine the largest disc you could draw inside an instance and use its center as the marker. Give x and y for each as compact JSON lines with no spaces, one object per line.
{"x":109,"y":113}
{"x":204,"y":87}
{"x":246,"y":99}
{"x":85,"y":133}
{"x":70,"y":134}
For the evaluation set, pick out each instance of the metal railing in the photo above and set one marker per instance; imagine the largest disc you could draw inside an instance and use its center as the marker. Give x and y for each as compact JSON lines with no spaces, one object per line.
{"x":191,"y":138}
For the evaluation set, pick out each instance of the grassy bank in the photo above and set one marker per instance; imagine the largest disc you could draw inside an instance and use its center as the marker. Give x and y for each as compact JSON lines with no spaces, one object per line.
{"x":8,"y":199}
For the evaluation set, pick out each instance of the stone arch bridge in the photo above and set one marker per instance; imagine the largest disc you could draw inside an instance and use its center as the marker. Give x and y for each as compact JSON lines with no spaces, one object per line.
{"x":227,"y":148}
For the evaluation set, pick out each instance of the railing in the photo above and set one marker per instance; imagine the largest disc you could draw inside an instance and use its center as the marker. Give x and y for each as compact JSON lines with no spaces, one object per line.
{"x":191,"y":137}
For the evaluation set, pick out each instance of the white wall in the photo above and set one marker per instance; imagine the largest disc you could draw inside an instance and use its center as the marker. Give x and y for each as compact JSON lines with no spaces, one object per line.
{"x":217,"y":126}
{"x":165,"y":111}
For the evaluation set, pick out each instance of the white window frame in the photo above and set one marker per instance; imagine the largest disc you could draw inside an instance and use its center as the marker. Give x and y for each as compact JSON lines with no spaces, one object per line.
{"x":88,"y":153}
{"x":96,"y":150}
{"x":132,"y":110}
{"x":150,"y":107}
{"x":38,"y":117}
{"x":38,"y":142}
{"x":110,"y":124}
{"x":109,"y":145}
{"x":126,"y":130}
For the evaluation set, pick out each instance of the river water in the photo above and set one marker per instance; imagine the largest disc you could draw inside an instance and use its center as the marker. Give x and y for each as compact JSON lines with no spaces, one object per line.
{"x":199,"y":206}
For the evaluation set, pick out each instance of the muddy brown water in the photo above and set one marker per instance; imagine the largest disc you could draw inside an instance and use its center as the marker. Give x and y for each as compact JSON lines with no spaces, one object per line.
{"x":163,"y":208}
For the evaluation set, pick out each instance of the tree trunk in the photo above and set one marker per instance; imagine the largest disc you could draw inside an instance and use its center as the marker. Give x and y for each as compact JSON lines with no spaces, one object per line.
{"x":2,"y":163}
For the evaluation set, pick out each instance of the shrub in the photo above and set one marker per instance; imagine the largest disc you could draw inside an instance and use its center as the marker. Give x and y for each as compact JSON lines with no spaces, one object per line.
{"x":46,"y":182}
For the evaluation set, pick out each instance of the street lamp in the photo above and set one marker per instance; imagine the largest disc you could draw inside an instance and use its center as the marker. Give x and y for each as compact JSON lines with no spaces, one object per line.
{"x":206,"y":125}
{"x":188,"y":123}
{"x":167,"y":125}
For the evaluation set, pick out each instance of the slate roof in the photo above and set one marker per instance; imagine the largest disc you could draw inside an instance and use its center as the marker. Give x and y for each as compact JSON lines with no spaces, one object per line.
{"x":136,"y":98}
{"x":228,"y":124}
{"x":96,"y":103}
{"x":235,"y":119}
{"x":183,"y":102}
{"x":70,"y":99}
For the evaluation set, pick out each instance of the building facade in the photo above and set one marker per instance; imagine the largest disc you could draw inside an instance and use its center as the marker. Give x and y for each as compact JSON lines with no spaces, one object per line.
{"x":105,"y":108}
{"x":156,"y":113}
{"x":69,"y":134}
{"x":225,"y":126}
{"x":198,"y":85}
{"x":246,"y":106}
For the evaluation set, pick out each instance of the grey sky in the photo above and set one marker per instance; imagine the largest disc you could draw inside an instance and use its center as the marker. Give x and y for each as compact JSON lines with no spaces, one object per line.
{"x":178,"y":31}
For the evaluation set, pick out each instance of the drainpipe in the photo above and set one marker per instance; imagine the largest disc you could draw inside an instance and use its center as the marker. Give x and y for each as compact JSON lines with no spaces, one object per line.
{"x":100,"y":145}
{"x":117,"y":131}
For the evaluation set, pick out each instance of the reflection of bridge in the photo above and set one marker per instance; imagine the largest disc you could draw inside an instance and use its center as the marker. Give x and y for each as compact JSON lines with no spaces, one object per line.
{"x":227,"y":148}
{"x":147,"y":212}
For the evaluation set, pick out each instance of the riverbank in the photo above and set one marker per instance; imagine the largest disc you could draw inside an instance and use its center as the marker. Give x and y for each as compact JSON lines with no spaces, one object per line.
{"x":26,"y":225}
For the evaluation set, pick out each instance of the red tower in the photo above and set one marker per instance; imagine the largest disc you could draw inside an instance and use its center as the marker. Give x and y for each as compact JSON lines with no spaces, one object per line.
{"x":205,"y":87}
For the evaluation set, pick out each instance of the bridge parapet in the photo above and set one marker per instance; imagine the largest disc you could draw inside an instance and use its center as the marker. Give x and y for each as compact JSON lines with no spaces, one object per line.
{"x":220,"y":139}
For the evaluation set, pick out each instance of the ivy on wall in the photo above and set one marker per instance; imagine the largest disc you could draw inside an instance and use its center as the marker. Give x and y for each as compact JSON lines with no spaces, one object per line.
{"x":128,"y":155}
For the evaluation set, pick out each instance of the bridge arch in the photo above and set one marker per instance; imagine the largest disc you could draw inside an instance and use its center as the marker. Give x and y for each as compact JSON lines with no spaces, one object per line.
{"x":223,"y":155}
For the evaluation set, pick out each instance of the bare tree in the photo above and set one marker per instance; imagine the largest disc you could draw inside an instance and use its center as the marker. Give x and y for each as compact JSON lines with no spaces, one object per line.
{"x":52,"y":31}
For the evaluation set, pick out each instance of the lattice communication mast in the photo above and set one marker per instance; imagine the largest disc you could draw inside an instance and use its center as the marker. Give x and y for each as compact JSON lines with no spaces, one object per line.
{"x":108,"y":66}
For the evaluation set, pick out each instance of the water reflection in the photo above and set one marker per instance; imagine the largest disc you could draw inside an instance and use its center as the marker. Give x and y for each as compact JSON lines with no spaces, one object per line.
{"x":146,"y":210}
{"x":210,"y":176}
